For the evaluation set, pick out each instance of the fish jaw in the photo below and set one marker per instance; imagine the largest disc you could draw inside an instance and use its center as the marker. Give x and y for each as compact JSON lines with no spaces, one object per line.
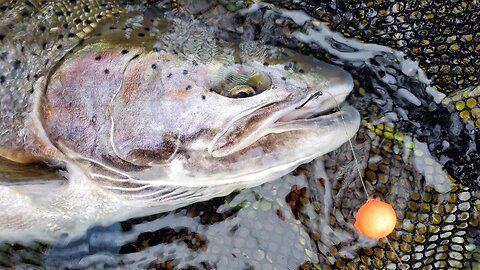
{"x":286,"y":146}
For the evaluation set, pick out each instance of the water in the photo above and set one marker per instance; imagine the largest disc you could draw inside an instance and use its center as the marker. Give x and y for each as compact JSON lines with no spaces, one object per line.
{"x":305,"y":219}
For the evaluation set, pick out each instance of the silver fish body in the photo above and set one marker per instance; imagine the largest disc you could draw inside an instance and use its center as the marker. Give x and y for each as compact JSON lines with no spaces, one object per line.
{"x":143,"y":125}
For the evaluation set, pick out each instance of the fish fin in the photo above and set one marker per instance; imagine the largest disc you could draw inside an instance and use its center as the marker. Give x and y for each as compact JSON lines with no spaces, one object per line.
{"x":15,"y":173}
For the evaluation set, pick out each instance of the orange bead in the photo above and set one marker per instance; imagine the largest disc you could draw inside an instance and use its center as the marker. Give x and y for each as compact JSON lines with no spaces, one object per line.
{"x":375,"y":219}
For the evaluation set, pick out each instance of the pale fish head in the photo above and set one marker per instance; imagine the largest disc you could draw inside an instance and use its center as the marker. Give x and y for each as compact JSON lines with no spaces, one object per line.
{"x":170,"y":121}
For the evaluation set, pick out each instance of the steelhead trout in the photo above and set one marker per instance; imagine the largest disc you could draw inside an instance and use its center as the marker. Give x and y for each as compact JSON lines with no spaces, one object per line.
{"x":147,"y":113}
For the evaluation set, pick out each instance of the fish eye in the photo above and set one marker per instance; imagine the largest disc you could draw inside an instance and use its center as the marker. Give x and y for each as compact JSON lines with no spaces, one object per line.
{"x":242,"y":91}
{"x":242,"y":84}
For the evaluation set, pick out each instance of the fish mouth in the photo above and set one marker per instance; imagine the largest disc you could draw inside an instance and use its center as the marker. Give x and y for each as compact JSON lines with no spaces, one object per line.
{"x":319,"y":110}
{"x":309,"y":120}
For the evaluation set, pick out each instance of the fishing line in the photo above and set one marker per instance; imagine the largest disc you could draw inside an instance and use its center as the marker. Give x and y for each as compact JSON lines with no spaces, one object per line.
{"x":350,"y":143}
{"x":359,"y":171}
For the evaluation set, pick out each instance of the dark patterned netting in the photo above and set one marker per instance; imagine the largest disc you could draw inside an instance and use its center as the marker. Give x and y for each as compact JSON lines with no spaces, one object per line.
{"x":304,"y":220}
{"x":443,"y":36}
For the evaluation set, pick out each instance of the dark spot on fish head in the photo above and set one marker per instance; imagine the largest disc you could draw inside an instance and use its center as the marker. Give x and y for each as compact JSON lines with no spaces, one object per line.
{"x":141,"y":34}
{"x":185,"y":72}
{"x":194,"y":63}
{"x":156,"y":49}
{"x":98,"y":57}
{"x":2,"y":37}
{"x":106,"y":71}
{"x":188,"y":87}
{"x":204,"y":97}
{"x":2,"y":79}
{"x":16,"y":64}
{"x":154,"y":66}
{"x":169,"y":75}
{"x":42,"y":28}
{"x":124,"y":51}
{"x":3,"y":56}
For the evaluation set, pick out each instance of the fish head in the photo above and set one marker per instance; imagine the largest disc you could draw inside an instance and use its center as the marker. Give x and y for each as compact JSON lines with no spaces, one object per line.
{"x":155,"y":115}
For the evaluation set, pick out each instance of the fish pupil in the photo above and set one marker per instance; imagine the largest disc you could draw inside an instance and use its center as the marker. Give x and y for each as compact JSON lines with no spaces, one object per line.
{"x":242,"y":95}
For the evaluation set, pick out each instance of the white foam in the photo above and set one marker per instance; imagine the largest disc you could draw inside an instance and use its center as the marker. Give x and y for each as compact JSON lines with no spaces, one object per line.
{"x":362,"y":51}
